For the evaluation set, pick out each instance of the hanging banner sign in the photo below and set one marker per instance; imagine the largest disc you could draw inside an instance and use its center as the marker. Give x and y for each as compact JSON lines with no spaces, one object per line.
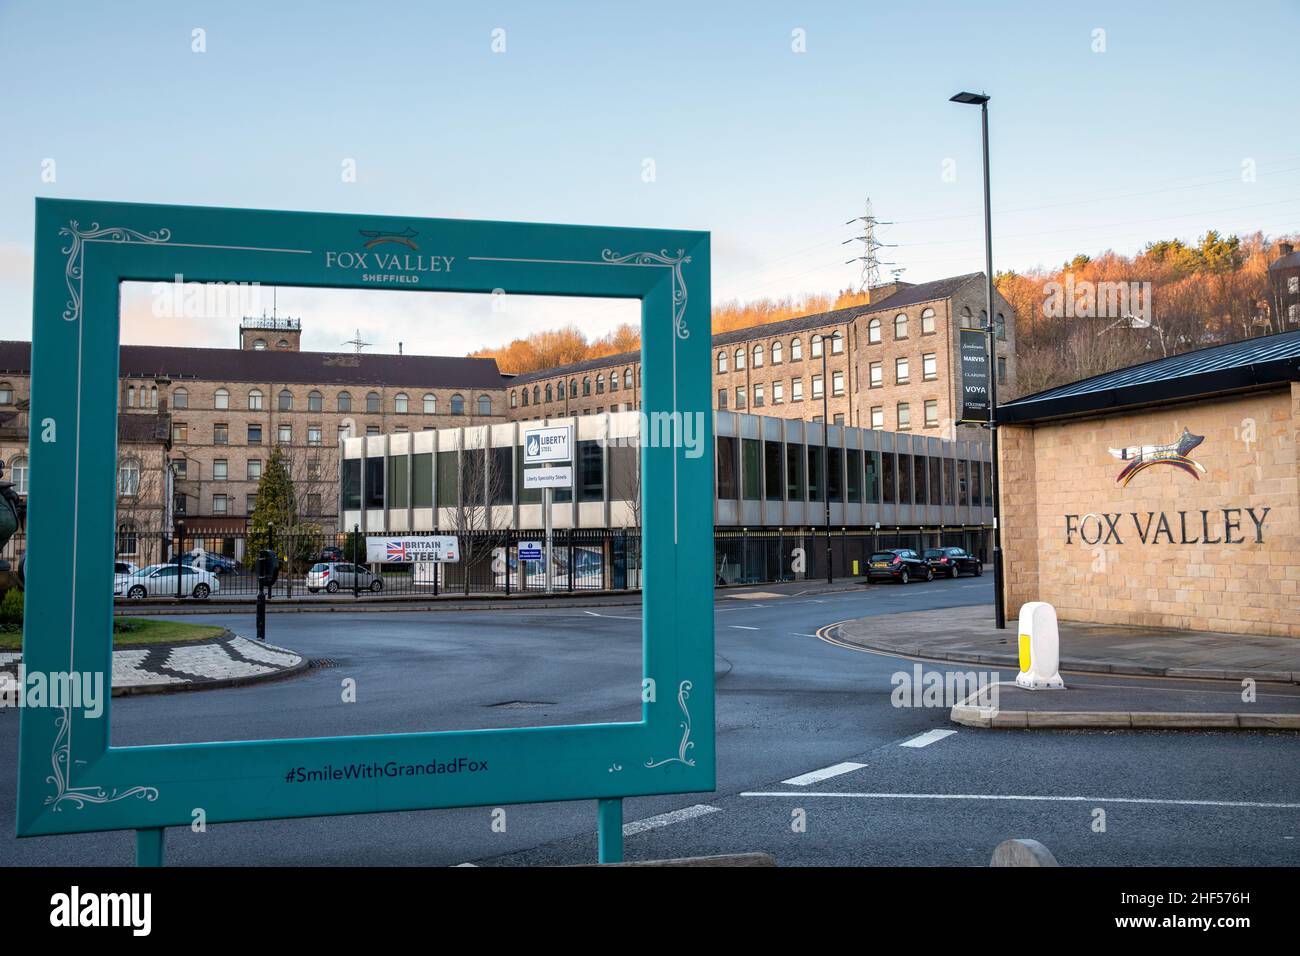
{"x":382,"y":549}
{"x":974,"y":377}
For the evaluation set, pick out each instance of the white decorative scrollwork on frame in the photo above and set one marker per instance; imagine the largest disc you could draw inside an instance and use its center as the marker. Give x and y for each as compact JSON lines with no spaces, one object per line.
{"x":661,"y":258}
{"x":76,"y":251}
{"x":683,"y":694}
{"x":61,"y":756}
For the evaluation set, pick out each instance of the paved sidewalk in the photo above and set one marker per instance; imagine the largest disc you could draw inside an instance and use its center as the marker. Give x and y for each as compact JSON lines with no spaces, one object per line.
{"x":967,"y":635}
{"x":224,"y":661}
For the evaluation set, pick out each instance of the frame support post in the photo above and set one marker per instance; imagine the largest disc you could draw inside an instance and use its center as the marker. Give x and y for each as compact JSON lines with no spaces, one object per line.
{"x":609,"y":830}
{"x":149,"y":843}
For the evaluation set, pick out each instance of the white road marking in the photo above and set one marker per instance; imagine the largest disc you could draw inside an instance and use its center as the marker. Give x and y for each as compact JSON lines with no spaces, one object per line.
{"x":613,"y":617}
{"x":817,"y":776}
{"x":667,"y":819}
{"x":927,"y":738}
{"x":798,"y":634}
{"x":742,"y":627}
{"x":1154,"y":801}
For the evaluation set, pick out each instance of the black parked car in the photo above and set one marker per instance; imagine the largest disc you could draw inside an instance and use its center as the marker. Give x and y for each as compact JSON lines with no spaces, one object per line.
{"x":953,"y":561}
{"x":330,"y":554}
{"x":899,"y":564}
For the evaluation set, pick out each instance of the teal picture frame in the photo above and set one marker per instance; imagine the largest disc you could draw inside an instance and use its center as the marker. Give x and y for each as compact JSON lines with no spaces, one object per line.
{"x":71,"y":779}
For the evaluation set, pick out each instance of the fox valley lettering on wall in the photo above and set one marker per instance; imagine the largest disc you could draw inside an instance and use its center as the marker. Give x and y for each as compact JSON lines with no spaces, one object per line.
{"x":1204,"y":527}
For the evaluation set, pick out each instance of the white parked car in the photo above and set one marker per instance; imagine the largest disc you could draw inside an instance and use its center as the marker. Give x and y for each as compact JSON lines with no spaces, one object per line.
{"x":159,"y":580}
{"x":121,"y":571}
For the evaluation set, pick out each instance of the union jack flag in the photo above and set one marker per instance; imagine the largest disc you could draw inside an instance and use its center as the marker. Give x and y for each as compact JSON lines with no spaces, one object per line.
{"x":396,"y":551}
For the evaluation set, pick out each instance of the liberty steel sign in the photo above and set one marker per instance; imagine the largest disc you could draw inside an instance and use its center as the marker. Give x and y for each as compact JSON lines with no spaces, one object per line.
{"x":71,"y":780}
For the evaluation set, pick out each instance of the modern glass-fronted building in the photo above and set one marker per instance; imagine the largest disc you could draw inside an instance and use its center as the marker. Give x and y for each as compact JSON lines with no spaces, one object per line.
{"x":772,"y":478}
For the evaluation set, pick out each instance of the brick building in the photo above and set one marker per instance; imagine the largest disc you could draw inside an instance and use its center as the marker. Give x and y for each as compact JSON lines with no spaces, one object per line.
{"x":222,"y":410}
{"x":891,"y":364}
{"x":1162,"y":495}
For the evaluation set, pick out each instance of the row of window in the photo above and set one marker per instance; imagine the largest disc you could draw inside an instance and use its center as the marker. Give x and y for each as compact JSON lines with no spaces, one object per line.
{"x":284,"y":433}
{"x":748,"y":469}
{"x":556,"y":392}
{"x":754,"y":470}
{"x":477,"y":476}
{"x":221,"y":470}
{"x":402,"y":404}
{"x":758,"y":351}
{"x":226,"y":505}
{"x":760,"y":391}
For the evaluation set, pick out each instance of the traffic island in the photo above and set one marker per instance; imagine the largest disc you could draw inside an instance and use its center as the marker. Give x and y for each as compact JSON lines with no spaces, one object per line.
{"x":1126,"y":705}
{"x":223,"y":660}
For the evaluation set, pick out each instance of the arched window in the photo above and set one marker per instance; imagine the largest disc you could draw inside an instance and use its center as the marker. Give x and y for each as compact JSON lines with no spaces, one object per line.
{"x":221,"y":398}
{"x":315,"y":401}
{"x":613,"y":381}
{"x":430,"y":404}
{"x":776,"y":353}
{"x":740,"y":359}
{"x":401,"y":403}
{"x":484,"y":405}
{"x":900,"y":325}
{"x":573,"y":388}
{"x":345,"y":401}
{"x":966,"y":317}
{"x":180,"y":398}
{"x":758,"y":355}
{"x":627,"y":377}
{"x":514,"y":398}
{"x":600,"y":384}
{"x":984,"y":319}
{"x":549,"y":392}
{"x":560,"y":389}
{"x":285,"y":400}
{"x":128,"y":477}
{"x":927,"y":321}
{"x":259,"y":345}
{"x":130,"y":396}
{"x":153,"y":396}
{"x":18,"y":474}
{"x":722,"y":361}
{"x":282,"y":344}
{"x":458,"y":404}
{"x":586,"y":386}
{"x":537,"y":395}
{"x":817,"y":345}
{"x":873,"y":332}
{"x":796,"y":350}
{"x":525,"y":398}
{"x":372,"y":402}
{"x":1000,"y":324}
{"x":126,"y":538}
{"x":255,"y":400}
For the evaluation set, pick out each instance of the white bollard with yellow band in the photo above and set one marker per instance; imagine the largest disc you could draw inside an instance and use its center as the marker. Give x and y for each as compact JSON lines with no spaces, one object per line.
{"x":1040,"y":648}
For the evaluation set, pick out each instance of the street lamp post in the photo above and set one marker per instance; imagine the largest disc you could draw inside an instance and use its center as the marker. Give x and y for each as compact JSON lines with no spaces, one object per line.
{"x":999,"y":601}
{"x":826,"y":438}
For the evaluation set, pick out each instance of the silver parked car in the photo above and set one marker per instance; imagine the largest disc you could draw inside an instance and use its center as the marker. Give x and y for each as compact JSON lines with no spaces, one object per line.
{"x":333,"y":576}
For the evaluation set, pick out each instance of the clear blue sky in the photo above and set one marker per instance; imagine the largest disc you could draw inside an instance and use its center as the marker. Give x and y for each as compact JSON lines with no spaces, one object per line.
{"x":769,"y":149}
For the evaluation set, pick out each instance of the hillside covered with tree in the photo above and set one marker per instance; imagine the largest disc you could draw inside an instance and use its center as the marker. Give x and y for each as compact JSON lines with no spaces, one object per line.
{"x":1200,"y":293}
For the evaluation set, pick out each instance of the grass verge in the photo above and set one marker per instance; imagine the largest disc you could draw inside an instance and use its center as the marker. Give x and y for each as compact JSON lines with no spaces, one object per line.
{"x":135,"y":632}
